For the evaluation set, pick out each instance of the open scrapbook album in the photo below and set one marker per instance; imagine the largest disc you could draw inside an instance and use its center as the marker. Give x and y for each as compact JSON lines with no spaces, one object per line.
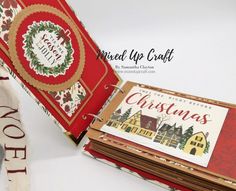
{"x":181,"y":140}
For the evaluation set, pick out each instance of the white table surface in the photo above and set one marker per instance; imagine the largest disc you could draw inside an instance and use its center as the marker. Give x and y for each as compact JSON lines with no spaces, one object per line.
{"x":203,"y":34}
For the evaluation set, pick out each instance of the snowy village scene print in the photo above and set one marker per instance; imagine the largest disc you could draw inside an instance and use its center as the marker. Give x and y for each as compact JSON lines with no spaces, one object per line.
{"x":180,"y":127}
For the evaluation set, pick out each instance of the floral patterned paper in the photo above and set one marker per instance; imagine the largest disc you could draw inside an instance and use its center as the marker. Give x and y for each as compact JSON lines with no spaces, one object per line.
{"x":8,"y":10}
{"x":70,"y":99}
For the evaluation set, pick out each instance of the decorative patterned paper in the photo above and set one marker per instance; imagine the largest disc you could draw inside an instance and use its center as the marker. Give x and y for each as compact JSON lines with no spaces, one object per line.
{"x":55,"y":61}
{"x":8,"y":10}
{"x":70,"y":99}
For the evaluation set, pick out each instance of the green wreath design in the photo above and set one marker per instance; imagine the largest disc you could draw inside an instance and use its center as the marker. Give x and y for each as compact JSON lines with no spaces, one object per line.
{"x":41,"y":69}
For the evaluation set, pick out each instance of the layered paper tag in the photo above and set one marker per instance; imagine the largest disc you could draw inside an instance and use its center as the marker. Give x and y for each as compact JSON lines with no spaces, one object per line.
{"x":46,"y":48}
{"x":49,"y":52}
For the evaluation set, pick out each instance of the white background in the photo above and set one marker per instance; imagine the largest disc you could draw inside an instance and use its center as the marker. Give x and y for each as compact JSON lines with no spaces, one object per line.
{"x":203,"y":34}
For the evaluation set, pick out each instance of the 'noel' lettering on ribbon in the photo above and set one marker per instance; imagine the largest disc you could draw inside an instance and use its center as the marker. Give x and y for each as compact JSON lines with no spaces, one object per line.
{"x":14,"y":146}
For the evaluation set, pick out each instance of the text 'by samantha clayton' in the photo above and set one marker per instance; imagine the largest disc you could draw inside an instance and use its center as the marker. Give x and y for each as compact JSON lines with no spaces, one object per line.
{"x":152,"y":55}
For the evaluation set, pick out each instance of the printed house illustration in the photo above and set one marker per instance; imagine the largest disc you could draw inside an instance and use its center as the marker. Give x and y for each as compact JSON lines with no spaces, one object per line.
{"x":141,"y":124}
{"x":136,"y":124}
{"x":115,"y":119}
{"x":169,"y":135}
{"x":196,"y":144}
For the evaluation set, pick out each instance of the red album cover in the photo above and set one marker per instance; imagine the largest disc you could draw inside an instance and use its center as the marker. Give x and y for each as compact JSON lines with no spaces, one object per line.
{"x":55,"y":59}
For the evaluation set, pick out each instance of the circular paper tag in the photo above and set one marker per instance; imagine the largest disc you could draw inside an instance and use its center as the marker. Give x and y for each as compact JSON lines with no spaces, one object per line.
{"x":46,"y":48}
